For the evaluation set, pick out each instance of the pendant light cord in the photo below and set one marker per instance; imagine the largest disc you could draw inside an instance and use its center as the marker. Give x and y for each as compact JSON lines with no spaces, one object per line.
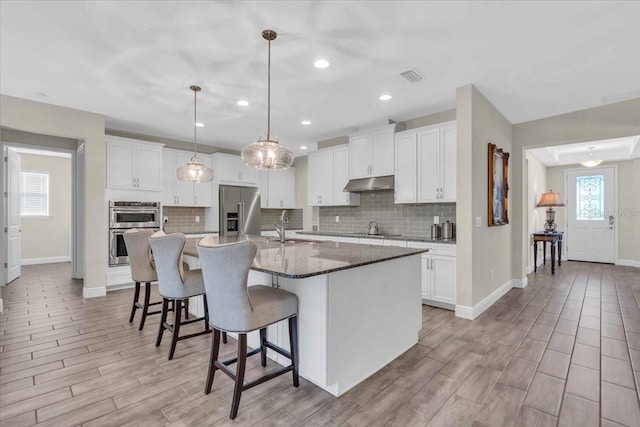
{"x":269,"y":95}
{"x":195,"y":121}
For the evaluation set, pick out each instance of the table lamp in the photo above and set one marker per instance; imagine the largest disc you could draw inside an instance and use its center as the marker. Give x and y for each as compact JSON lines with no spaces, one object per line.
{"x":550,"y":200}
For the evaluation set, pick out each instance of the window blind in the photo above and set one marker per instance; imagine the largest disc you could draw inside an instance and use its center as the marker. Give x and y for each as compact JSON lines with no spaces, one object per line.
{"x":34,"y":194}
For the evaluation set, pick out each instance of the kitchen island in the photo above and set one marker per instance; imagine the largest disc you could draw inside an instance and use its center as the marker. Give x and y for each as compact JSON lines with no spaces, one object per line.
{"x":359,"y":305}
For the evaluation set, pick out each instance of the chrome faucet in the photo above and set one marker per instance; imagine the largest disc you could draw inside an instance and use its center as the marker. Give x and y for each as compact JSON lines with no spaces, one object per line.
{"x":284,"y":219}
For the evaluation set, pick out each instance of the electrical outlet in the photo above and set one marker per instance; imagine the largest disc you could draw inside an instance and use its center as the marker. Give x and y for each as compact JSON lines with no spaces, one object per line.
{"x":197,"y":218}
{"x":337,"y":218}
{"x":436,"y":219}
{"x":166,"y":219}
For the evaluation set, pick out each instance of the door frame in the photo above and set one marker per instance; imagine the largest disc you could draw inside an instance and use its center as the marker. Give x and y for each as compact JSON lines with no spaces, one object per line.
{"x":76,"y":233}
{"x":615,"y":207}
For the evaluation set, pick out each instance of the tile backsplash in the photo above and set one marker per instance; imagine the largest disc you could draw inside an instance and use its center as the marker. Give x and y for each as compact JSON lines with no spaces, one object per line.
{"x":183,"y":219}
{"x":406,"y":219}
{"x":271,"y":216}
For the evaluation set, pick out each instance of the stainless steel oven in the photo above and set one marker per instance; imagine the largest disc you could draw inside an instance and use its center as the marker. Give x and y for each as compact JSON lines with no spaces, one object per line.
{"x":124,"y":216}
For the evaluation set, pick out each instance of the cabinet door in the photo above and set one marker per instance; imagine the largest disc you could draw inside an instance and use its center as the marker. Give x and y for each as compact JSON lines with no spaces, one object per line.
{"x":289,"y":188}
{"x":263,"y":186}
{"x":247,"y":175}
{"x":443,"y":271}
{"x":184,"y":190}
{"x":448,"y":147}
{"x":320,"y":181}
{"x":169,"y":178}
{"x":359,"y":157}
{"x":121,"y":165}
{"x":149,"y":167}
{"x":405,"y":170}
{"x":275,"y":189}
{"x":382,"y":153}
{"x":202,"y":190}
{"x":426,"y":276}
{"x":341,"y":178}
{"x":428,"y":177}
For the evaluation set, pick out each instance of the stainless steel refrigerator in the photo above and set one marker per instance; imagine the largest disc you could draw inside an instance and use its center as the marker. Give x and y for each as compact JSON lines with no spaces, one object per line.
{"x":239,"y":210}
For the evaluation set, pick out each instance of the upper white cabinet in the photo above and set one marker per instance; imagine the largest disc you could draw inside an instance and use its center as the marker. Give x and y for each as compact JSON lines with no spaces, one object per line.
{"x":230,"y":169}
{"x":277,"y":188}
{"x":425,"y":164}
{"x":371,"y":153}
{"x":328,"y":175}
{"x":180,"y":193}
{"x":133,"y":164}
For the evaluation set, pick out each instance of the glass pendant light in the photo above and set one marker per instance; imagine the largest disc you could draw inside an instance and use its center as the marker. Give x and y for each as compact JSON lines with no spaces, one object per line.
{"x":195,"y":170}
{"x":266,"y":152}
{"x":591,"y":162}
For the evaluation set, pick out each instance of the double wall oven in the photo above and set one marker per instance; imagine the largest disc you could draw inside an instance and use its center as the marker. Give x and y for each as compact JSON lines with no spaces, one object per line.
{"x":124,"y":216}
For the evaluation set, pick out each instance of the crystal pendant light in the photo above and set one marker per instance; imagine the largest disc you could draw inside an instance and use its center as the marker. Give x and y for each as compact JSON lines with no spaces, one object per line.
{"x":195,"y":170}
{"x":591,"y":162}
{"x":266,"y":152}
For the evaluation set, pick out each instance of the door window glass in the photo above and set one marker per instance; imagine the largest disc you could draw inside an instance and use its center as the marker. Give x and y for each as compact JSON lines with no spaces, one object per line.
{"x":590,"y":198}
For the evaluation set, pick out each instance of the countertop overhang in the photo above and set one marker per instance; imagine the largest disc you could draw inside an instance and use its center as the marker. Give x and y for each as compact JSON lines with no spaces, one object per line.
{"x":297,"y":259}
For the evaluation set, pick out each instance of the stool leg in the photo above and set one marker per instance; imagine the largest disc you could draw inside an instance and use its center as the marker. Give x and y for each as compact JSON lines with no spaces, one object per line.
{"x":163,"y":320}
{"x":263,"y":347}
{"x":224,"y":337}
{"x":293,"y":344}
{"x":186,"y":308}
{"x":176,"y":327}
{"x":206,"y":313}
{"x":213,"y":356}
{"x":135,"y":300}
{"x":145,"y":306}
{"x":242,"y":362}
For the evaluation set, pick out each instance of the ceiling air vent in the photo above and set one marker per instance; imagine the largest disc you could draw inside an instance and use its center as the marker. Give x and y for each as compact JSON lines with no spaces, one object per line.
{"x":412,"y":75}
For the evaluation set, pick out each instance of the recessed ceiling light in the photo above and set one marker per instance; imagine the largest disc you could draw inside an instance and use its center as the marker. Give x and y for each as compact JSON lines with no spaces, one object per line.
{"x":304,"y":147}
{"x":243,"y":103}
{"x":200,"y":125}
{"x":306,"y":122}
{"x":321,"y":63}
{"x":385,"y":97}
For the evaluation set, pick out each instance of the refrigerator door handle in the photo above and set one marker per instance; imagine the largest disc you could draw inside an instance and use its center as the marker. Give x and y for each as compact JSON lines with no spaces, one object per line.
{"x":241,"y":219}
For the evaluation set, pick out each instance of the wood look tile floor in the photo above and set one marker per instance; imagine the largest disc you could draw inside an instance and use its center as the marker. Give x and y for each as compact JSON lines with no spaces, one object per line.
{"x":563,"y":351}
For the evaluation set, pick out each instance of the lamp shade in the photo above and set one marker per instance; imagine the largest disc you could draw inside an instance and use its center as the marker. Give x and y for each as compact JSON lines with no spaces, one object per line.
{"x":195,"y":171}
{"x":550,"y":200}
{"x":266,"y":153}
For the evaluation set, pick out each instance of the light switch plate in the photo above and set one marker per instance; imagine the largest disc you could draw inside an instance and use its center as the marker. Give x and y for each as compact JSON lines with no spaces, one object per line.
{"x":337,"y":218}
{"x":197,"y":219}
{"x":478,"y":221}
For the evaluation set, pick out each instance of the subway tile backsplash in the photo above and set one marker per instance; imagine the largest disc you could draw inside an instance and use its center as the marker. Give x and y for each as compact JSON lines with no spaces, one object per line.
{"x":183,"y":219}
{"x":271,"y":216}
{"x":406,"y":219}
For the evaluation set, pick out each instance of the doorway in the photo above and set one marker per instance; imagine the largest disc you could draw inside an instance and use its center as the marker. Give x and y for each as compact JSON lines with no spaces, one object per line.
{"x":591,"y":208}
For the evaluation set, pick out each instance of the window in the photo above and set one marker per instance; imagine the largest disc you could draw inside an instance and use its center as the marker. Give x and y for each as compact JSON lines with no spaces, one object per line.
{"x":590,"y":192}
{"x":34,"y":194}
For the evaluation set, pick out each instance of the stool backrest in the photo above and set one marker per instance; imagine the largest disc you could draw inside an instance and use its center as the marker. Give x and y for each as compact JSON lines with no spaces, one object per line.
{"x":225,"y":269}
{"x":139,"y":252}
{"x":167,"y":252}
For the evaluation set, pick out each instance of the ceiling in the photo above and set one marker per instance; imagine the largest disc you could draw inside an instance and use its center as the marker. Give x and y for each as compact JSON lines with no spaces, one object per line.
{"x":608,"y":150}
{"x":134,"y":61}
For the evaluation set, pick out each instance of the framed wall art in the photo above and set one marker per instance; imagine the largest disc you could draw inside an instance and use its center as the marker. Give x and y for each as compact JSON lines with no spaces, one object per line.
{"x":498,"y":186}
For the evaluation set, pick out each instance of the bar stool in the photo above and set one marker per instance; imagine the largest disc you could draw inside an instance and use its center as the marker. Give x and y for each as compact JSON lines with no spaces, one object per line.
{"x":177,"y":285}
{"x":142,"y":270}
{"x":237,"y":308}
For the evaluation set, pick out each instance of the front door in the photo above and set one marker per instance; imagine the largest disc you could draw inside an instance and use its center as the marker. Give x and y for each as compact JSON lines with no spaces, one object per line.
{"x":591,"y":214}
{"x":13,"y":215}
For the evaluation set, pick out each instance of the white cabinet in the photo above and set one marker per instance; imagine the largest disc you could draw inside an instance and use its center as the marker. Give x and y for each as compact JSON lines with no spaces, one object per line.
{"x":371,"y":153}
{"x":277,"y":188}
{"x":133,"y":164}
{"x":438,"y":273}
{"x":425,"y":164}
{"x":180,"y":193}
{"x":328,"y":175}
{"x":230,"y":169}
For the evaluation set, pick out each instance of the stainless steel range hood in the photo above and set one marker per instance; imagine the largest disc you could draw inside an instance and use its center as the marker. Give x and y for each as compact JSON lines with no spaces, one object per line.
{"x":370,"y":184}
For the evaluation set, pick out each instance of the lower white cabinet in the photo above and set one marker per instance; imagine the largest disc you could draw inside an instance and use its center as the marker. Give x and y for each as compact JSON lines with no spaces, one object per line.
{"x":438,"y":274}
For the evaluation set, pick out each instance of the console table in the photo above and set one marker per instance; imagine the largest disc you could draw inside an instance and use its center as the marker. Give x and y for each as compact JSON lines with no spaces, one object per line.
{"x":552,"y":238}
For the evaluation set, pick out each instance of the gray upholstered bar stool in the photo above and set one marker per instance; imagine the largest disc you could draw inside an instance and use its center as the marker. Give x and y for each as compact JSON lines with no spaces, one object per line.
{"x":175,"y":284}
{"x":142,"y":270}
{"x":237,"y":308}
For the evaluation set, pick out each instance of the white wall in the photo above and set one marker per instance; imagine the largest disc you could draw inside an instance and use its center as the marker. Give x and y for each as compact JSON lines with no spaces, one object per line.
{"x":536,"y":185}
{"x":57,"y":227}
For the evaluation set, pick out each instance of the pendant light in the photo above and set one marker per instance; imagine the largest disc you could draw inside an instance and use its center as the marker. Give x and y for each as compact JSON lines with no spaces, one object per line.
{"x":591,"y":162}
{"x":266,"y":152}
{"x":195,"y":170}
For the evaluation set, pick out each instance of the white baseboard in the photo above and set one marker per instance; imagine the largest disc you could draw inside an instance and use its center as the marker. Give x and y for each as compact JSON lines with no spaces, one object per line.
{"x":520,"y":283}
{"x":46,"y":260}
{"x":628,"y":262}
{"x":472,"y":312}
{"x":96,"y":291}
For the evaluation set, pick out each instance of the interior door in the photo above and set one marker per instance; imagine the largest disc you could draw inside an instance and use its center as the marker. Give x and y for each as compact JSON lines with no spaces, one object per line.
{"x":591,"y":214}
{"x":13,"y":215}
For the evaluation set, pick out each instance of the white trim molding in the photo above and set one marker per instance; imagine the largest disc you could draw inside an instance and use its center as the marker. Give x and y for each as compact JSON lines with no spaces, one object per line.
{"x":93,"y":292}
{"x":628,"y":262}
{"x":475,"y":311}
{"x":46,"y":260}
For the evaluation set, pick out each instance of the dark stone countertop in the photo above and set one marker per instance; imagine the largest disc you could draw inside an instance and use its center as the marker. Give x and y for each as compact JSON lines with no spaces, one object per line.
{"x":297,"y":259}
{"x":385,"y":237}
